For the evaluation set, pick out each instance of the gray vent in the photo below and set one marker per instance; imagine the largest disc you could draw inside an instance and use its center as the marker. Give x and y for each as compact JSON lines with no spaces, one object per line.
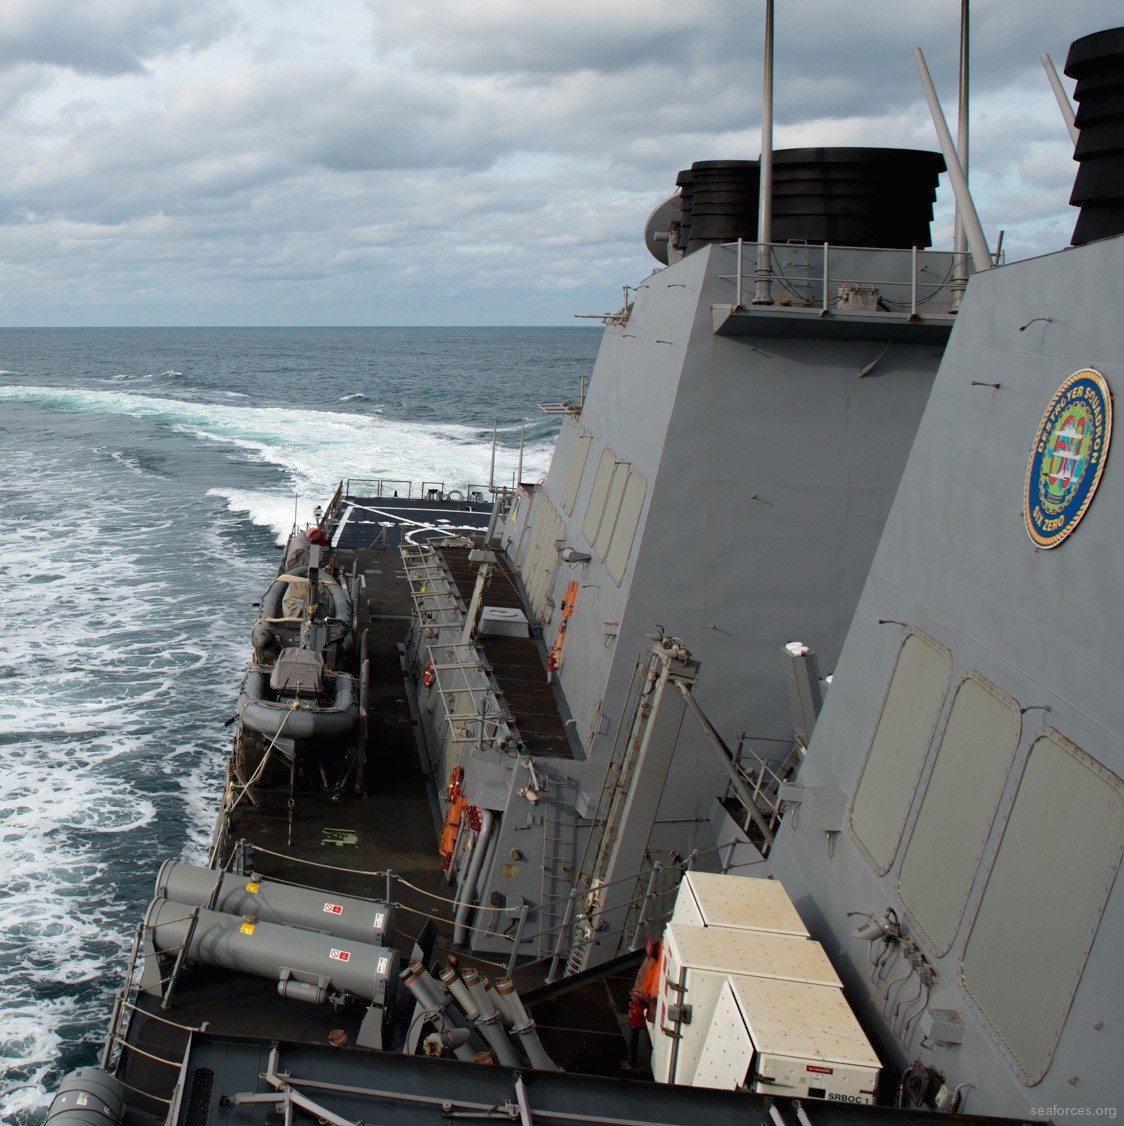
{"x":199,"y":1100}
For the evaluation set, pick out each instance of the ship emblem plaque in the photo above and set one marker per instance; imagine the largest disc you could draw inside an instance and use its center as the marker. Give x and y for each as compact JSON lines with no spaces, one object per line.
{"x":1068,"y":457}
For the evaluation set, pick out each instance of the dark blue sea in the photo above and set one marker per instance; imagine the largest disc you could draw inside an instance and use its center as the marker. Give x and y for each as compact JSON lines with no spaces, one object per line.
{"x":147,"y":477}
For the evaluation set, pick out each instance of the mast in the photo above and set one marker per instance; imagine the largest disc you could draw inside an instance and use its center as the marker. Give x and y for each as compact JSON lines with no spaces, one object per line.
{"x":762,"y":291}
{"x":981,"y":254}
{"x":1062,"y":97}
{"x":960,"y":237}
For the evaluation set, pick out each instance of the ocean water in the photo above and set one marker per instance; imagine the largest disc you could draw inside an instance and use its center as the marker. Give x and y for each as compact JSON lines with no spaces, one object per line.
{"x":147,"y":477}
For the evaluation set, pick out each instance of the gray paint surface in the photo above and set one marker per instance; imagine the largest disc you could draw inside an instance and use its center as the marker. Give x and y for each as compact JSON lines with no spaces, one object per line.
{"x":1043,"y":626}
{"x":769,"y":467}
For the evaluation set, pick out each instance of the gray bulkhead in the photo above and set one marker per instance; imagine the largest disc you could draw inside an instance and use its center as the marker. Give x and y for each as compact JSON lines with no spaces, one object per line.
{"x":768,"y":467}
{"x":1001,"y":871}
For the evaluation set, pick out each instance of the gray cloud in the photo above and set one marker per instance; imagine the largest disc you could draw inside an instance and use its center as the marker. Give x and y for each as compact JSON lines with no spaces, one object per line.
{"x":460,"y":162}
{"x":105,"y":37}
{"x":518,"y":38}
{"x":16,"y":84}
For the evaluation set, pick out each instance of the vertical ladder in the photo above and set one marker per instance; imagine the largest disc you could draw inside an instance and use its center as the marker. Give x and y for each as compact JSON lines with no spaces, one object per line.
{"x":582,"y":938}
{"x":558,"y":849}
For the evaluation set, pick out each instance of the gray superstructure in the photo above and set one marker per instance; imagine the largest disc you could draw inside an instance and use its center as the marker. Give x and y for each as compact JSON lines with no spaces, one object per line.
{"x":749,"y":522}
{"x":975,"y":722}
{"x":954,"y":830}
{"x":997,"y":835}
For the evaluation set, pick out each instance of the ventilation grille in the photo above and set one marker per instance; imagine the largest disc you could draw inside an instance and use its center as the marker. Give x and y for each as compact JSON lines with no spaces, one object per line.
{"x":199,"y":1098}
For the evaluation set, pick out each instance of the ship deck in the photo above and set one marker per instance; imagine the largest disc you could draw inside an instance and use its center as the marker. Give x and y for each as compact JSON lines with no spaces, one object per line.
{"x":246,"y":1055}
{"x":380,"y":841}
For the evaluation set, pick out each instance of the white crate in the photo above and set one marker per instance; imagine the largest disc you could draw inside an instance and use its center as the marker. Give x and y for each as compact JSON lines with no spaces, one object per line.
{"x":696,"y":962}
{"x":707,"y":899}
{"x":787,"y":1038}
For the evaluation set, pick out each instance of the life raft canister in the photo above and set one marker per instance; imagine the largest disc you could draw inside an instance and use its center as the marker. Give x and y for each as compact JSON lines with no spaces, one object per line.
{"x":429,"y":676}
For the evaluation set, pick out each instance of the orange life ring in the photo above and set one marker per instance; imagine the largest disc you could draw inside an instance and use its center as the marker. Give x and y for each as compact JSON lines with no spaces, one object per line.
{"x":429,"y":676}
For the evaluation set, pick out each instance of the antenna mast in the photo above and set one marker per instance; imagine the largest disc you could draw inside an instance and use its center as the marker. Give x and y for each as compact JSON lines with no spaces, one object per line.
{"x":762,"y":294}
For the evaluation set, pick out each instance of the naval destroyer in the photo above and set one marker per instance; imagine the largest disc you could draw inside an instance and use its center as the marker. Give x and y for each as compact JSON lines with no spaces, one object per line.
{"x":567,"y":736}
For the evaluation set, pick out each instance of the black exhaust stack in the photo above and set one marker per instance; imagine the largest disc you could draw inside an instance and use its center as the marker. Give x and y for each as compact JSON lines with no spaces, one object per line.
{"x":1097,"y":63}
{"x":848,"y":196}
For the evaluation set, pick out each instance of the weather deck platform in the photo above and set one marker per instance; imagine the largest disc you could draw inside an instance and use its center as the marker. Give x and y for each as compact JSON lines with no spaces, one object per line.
{"x":518,"y":664}
{"x":385,"y":523}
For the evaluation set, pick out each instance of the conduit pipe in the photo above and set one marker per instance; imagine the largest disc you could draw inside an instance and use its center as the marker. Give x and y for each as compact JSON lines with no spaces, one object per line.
{"x":460,"y":993}
{"x":524,"y":1027}
{"x":762,"y":293}
{"x":959,"y":241}
{"x":467,"y":892}
{"x":458,"y":1040}
{"x":427,"y":993}
{"x":488,"y":1022}
{"x":499,"y":1002}
{"x":424,"y":989}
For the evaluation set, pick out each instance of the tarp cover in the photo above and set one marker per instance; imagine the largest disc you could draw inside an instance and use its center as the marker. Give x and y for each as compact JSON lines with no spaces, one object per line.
{"x":298,"y":672}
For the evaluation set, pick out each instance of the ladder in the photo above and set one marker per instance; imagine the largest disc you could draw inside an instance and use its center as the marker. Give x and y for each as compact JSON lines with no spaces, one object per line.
{"x":558,"y":860}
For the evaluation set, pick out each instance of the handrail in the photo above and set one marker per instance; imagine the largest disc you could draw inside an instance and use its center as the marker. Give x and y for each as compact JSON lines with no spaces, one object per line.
{"x":376,"y":486}
{"x":645,"y":878}
{"x":384,"y":487}
{"x":863,"y":277}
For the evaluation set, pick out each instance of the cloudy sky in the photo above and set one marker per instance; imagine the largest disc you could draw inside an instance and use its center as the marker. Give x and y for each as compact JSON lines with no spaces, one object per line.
{"x":457,"y":161}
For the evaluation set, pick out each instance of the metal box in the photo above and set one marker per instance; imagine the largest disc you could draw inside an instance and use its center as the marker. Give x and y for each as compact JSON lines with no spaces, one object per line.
{"x":787,"y":1038}
{"x":502,"y":621}
{"x":696,"y":962}
{"x":942,"y":1026}
{"x":821,"y":808}
{"x":706,"y":899}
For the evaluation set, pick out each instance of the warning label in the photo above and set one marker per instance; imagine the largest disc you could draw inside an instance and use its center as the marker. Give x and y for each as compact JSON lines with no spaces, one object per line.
{"x":340,"y":955}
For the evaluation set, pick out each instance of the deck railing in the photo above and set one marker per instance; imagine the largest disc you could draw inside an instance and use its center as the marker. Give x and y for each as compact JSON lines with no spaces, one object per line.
{"x":377,"y":488}
{"x":648,"y":910}
{"x":829,"y":278}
